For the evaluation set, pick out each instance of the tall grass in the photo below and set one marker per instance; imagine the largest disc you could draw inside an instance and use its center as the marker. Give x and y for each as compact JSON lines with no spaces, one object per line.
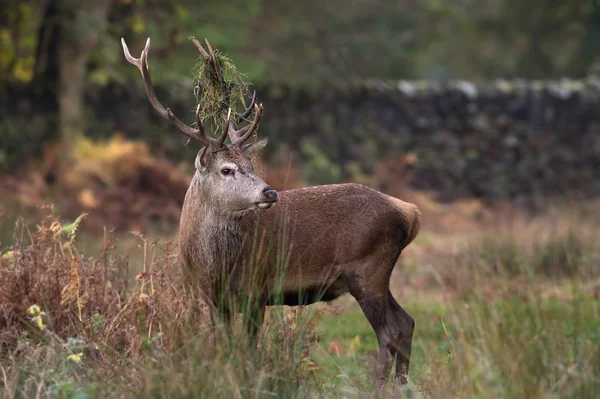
{"x":563,"y":243}
{"x":518,"y":317}
{"x":518,"y":347}
{"x":522,"y":316}
{"x":72,"y":325}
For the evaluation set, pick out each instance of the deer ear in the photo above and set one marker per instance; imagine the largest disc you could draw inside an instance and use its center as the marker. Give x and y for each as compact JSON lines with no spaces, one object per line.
{"x":252,"y":149}
{"x":202,"y":158}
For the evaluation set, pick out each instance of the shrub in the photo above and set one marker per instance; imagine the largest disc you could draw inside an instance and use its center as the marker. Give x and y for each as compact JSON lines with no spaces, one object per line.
{"x":74,"y":324}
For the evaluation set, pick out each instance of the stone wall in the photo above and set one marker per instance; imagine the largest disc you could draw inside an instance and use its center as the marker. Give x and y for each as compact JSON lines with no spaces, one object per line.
{"x":518,"y":140}
{"x":513,"y":140}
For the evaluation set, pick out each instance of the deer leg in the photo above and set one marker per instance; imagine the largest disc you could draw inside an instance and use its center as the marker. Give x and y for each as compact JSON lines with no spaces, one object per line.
{"x":204,"y":298}
{"x":377,"y":310}
{"x":252,"y":320}
{"x":214,"y":325}
{"x":403,"y":331}
{"x":221,"y":318}
{"x":369,"y":285}
{"x":224,"y":307}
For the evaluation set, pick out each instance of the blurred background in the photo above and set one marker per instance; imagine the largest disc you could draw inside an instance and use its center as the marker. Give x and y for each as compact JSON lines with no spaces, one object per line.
{"x":495,"y":101}
{"x":485,"y":114}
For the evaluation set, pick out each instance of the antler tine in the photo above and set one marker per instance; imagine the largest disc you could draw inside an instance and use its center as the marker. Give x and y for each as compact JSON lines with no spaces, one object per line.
{"x":211,"y":51}
{"x":142,"y":64}
{"x":252,"y":128}
{"x":245,"y":114}
{"x":238,"y":137}
{"x":201,"y":50}
{"x":225,"y":127}
{"x":209,"y":56}
{"x":135,"y":61}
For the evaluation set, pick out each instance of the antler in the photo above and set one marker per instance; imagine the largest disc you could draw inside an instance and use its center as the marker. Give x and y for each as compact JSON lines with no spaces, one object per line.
{"x":237,"y":137}
{"x":198,"y":133}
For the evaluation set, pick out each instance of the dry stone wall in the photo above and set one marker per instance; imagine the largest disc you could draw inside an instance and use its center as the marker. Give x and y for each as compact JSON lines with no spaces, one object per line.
{"x":518,"y":140}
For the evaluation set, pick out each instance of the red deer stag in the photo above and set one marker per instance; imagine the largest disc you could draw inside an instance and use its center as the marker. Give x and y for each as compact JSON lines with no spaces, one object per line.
{"x":338,"y":238}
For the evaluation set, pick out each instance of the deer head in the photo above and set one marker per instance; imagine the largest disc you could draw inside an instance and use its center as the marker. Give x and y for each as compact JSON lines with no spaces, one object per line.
{"x":224,"y":174}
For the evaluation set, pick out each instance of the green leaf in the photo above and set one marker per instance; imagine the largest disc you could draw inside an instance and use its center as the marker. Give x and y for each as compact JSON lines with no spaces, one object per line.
{"x":71,"y":229}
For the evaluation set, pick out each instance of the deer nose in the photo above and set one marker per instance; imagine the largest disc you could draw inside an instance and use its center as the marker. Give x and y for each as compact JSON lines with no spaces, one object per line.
{"x":270,"y":193}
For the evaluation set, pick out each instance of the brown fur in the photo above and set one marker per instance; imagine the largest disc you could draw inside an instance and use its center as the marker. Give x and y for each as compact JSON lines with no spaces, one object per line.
{"x":315,"y":243}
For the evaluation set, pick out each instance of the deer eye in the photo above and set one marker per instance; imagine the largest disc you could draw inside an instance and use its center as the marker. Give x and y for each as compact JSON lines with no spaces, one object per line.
{"x":226,"y":171}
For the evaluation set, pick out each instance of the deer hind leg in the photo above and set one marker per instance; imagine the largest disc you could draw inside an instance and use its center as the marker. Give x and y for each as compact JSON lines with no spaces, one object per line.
{"x":372,"y":296}
{"x":392,"y":325}
{"x":393,"y":328}
{"x":403,"y":329}
{"x":377,"y":312}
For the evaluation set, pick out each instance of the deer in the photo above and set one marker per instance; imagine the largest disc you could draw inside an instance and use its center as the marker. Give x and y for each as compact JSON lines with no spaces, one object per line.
{"x":338,"y":238}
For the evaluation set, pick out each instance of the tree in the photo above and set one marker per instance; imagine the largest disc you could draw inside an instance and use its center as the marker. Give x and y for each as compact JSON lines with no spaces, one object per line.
{"x":81,"y":24}
{"x":57,"y":49}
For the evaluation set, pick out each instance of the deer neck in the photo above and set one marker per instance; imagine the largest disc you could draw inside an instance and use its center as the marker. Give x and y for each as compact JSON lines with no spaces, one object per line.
{"x":210,"y":240}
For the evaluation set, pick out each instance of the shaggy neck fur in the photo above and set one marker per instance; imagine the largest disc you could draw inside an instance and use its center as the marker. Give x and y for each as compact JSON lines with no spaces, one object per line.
{"x":210,"y":238}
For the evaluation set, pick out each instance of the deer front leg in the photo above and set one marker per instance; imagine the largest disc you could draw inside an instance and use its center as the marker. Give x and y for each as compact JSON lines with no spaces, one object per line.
{"x":220,"y":315}
{"x":252,"y":320}
{"x":221,"y":323}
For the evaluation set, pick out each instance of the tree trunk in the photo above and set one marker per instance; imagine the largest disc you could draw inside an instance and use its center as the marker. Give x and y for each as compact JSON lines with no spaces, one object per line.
{"x":45,"y":71}
{"x":70,"y":98}
{"x":82,"y":26}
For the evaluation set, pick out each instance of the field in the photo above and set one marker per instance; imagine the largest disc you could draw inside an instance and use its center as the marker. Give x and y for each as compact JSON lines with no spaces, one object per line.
{"x":505,"y":307}
{"x":486,"y":118}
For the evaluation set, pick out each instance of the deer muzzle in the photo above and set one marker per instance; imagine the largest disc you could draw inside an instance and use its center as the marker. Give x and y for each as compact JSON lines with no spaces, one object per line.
{"x":270,"y":198}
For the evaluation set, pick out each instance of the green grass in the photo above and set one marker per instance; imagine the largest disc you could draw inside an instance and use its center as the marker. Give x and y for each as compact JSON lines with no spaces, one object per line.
{"x":358,"y":343}
{"x":517,"y":346}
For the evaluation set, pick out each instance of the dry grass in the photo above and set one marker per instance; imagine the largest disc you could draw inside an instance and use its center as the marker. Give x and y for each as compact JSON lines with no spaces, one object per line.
{"x":68,"y":321}
{"x":509,"y":309}
{"x":92,"y":298}
{"x":562,"y":243}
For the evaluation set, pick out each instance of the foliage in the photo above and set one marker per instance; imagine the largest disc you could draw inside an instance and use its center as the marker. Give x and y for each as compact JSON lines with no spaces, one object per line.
{"x":319,"y":169}
{"x":122,"y":185}
{"x":309,"y":47}
{"x":23,"y":138}
{"x":76,"y":325}
{"x":211,"y":93}
{"x":312,"y":42}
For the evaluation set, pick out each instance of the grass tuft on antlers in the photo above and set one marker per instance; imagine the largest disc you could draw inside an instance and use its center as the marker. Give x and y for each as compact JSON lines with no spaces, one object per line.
{"x":209,"y":91}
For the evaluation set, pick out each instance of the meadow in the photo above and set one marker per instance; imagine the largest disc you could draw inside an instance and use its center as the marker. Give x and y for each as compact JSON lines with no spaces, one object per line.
{"x":484,"y":117}
{"x":505,"y":307}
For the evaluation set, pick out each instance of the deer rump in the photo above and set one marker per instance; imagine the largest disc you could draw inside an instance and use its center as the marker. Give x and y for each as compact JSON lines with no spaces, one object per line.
{"x":317,"y":243}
